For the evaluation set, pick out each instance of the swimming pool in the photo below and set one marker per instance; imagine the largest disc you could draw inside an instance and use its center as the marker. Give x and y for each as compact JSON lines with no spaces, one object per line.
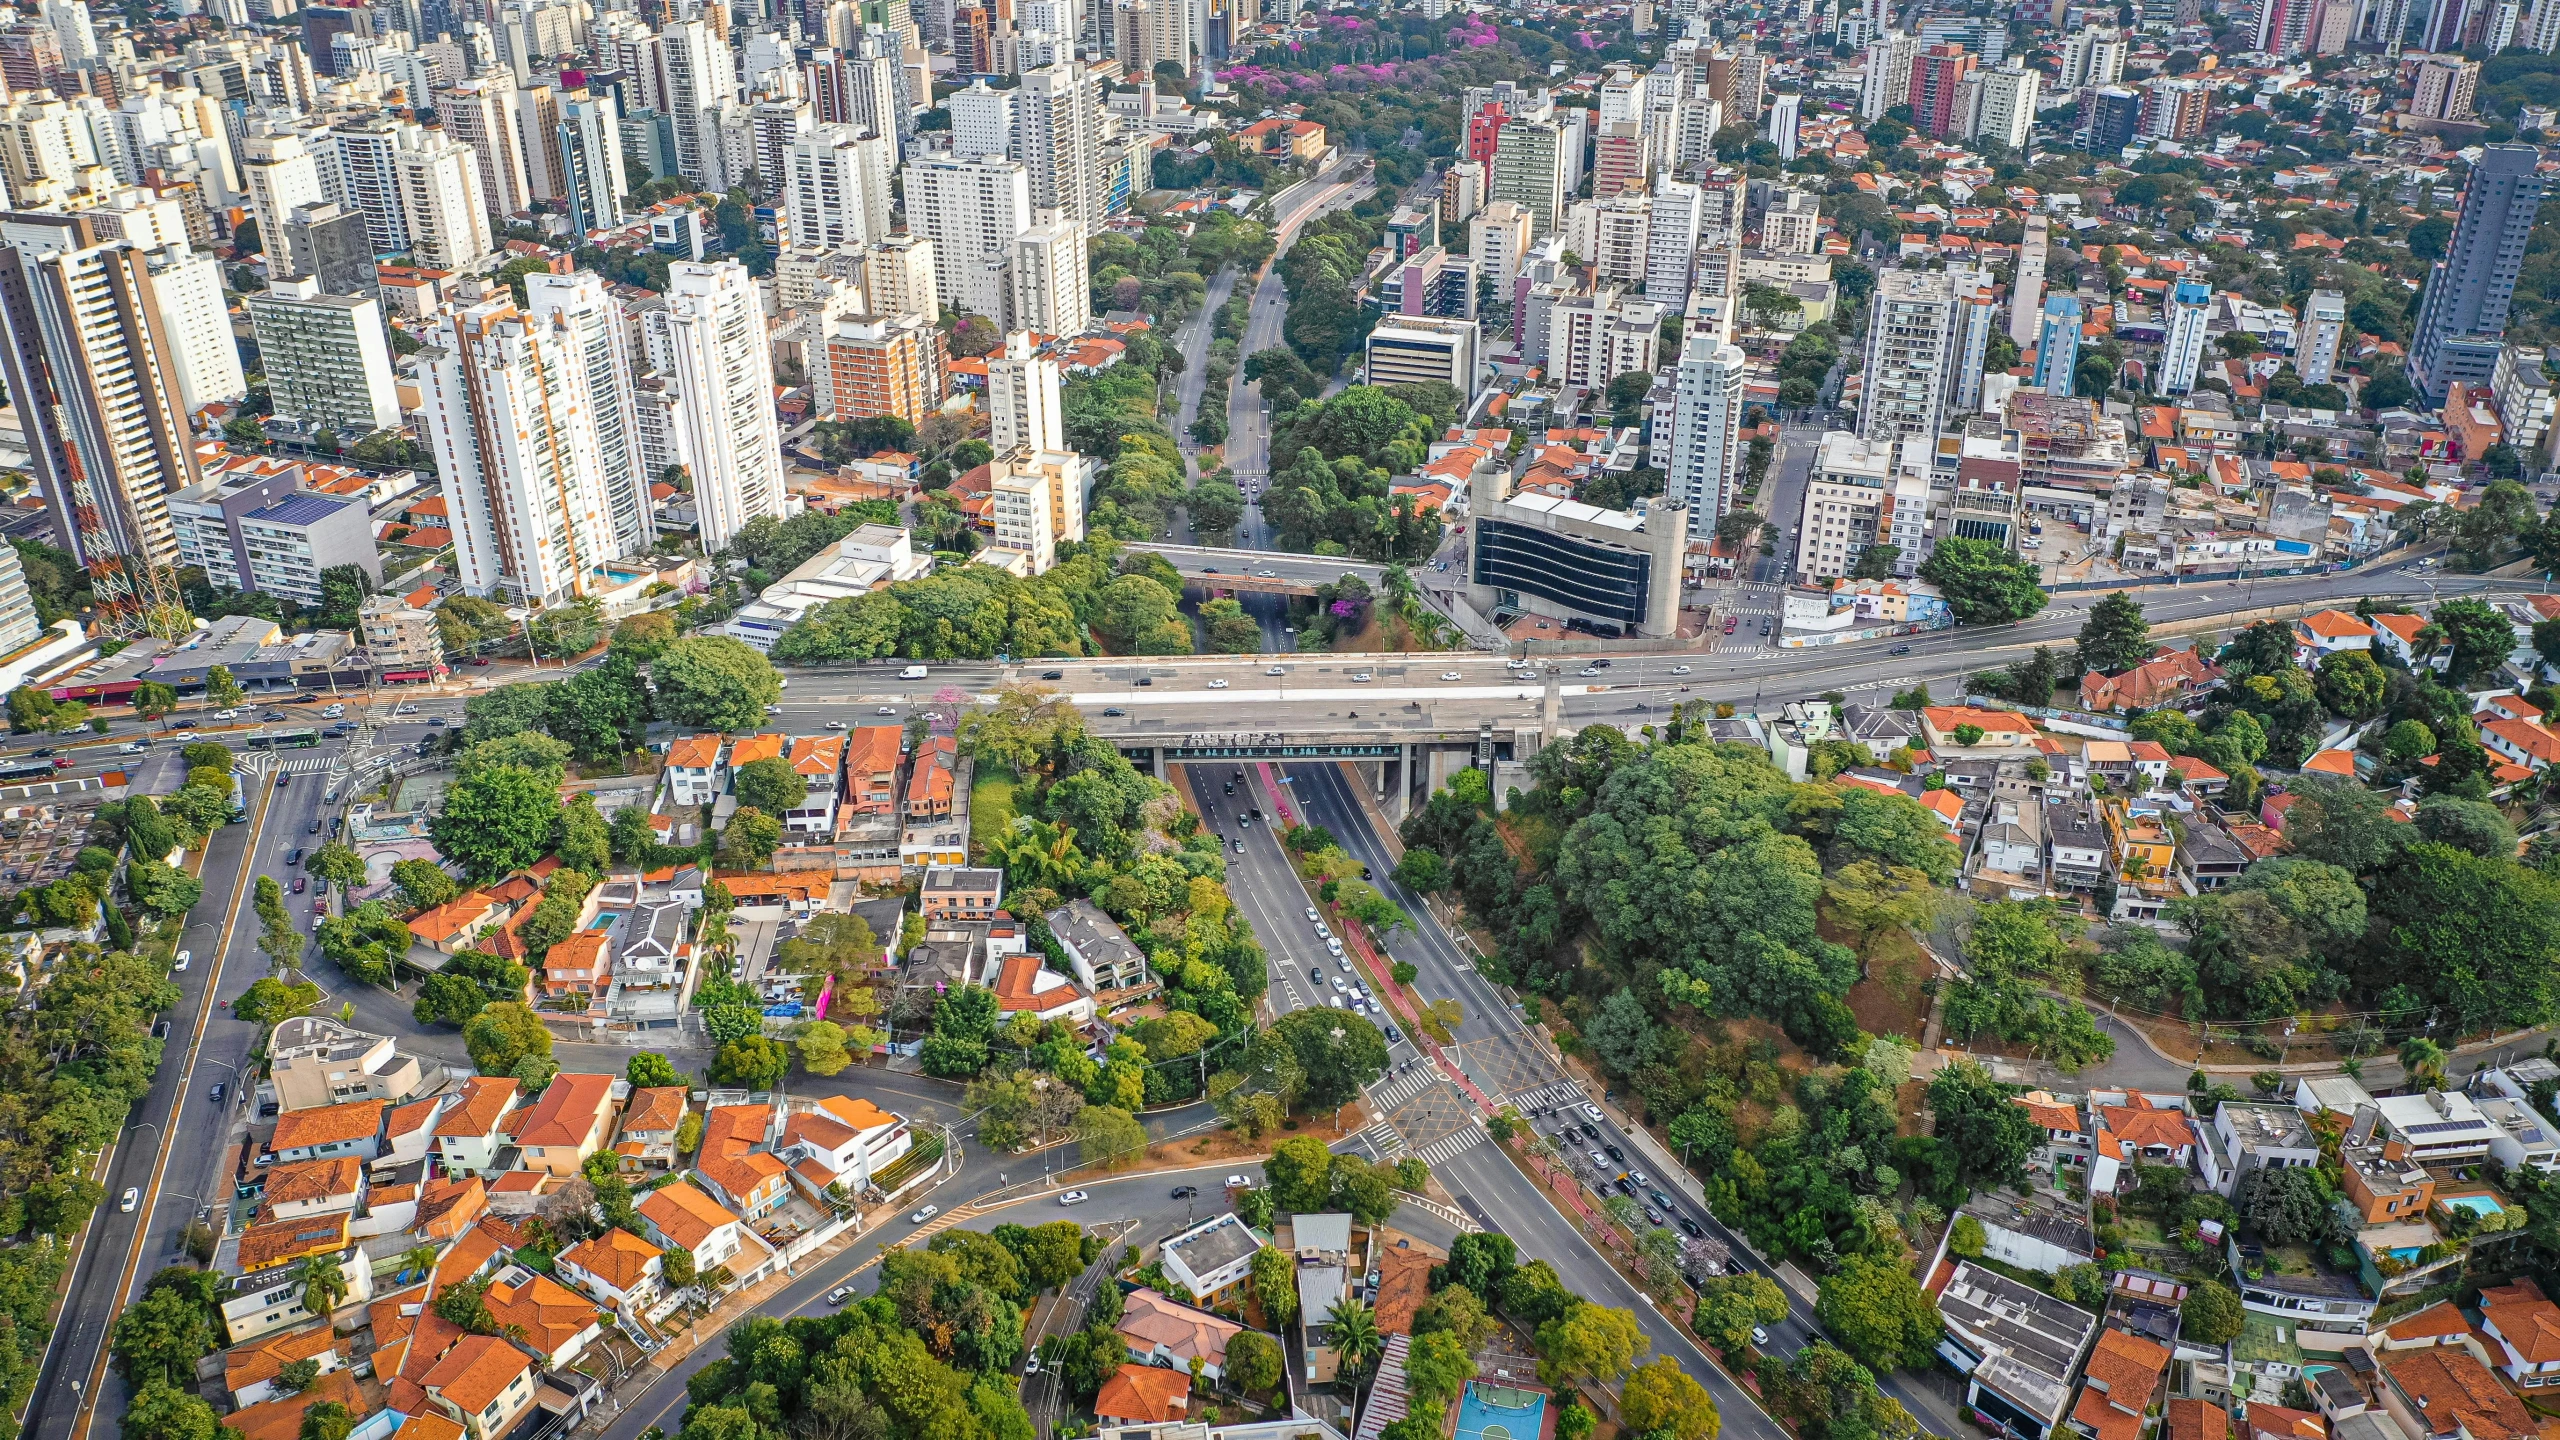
{"x":1500,"y":1412}
{"x":2476,"y":1204}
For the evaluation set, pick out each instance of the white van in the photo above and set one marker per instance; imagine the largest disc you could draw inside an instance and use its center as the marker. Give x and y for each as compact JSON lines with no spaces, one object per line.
{"x":912,"y":672}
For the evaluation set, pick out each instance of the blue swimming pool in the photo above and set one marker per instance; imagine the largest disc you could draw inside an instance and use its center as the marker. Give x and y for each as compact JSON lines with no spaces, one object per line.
{"x":2476,"y":1204}
{"x":1499,"y":1412}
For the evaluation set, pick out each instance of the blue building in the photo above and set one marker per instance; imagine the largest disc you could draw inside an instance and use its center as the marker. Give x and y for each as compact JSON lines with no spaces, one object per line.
{"x":2058,"y":345}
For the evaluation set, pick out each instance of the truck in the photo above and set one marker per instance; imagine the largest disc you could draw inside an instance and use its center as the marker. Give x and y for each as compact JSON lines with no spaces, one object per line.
{"x":912,"y":672}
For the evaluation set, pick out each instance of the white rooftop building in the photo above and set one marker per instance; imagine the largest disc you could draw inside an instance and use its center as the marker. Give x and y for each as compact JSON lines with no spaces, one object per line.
{"x":864,"y":561}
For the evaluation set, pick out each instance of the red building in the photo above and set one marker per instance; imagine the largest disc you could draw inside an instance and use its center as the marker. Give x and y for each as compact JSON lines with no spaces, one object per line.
{"x":1937,"y":79}
{"x":1484,"y":133}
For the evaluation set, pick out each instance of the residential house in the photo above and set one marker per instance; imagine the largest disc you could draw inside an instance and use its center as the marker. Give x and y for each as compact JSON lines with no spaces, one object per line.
{"x":483,"y":1384}
{"x":2398,"y":634}
{"x":2139,"y":1132}
{"x":2207,"y":857}
{"x":2328,"y":632}
{"x":315,"y":1061}
{"x":249,"y":1371}
{"x":2002,"y":731}
{"x":2032,"y":1232}
{"x":647,"y":1142}
{"x":542,"y":1316}
{"x":457,"y":924}
{"x":1103,"y":957}
{"x":2019,"y":1348}
{"x":2168,"y":677}
{"x":2519,"y":742}
{"x":843,"y":1140}
{"x":734,"y":1163}
{"x":935,"y":812}
{"x":409,"y":1131}
{"x":579,"y":965}
{"x":2076,"y":855}
{"x":819,"y":762}
{"x":2245,"y":1137}
{"x":1210,"y":1257}
{"x":354,"y":1128}
{"x":617,"y":1267}
{"x":2443,"y":1393}
{"x":311,"y":1188}
{"x":2066,"y":1139}
{"x":572,"y":1120}
{"x":695,"y":776}
{"x":280,"y":1418}
{"x":1165,"y":1332}
{"x":2527,"y":1140}
{"x":2124,"y":1373}
{"x":961,"y":892}
{"x":474,"y":1129}
{"x":1143,"y":1395}
{"x":1025,"y":985}
{"x":265,"y":1293}
{"x":2440,"y":1125}
{"x":2526,"y":1327}
{"x":682,"y":1215}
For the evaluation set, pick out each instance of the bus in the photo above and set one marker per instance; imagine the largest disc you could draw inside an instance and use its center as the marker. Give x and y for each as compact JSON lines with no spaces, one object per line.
{"x":22,"y":772}
{"x":239,"y":800}
{"x":284,"y":740}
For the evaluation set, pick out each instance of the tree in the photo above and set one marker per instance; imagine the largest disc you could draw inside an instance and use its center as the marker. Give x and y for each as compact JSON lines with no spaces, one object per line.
{"x":151,"y":700}
{"x":749,"y":839}
{"x":2115,"y":637}
{"x":1661,"y":1399}
{"x":220,"y":690}
{"x":497,"y":820}
{"x":1589,"y":1343}
{"x":504,"y":1035}
{"x":1984,"y":584}
{"x":2351,"y":684}
{"x":1992,"y":1135}
{"x":650,"y":1070}
{"x":2211,"y":1314}
{"x":1422,"y":870}
{"x":1109,"y":1135}
{"x":753,"y":1062}
{"x":1731,"y":1306}
{"x":324,"y":1285}
{"x":162,"y":888}
{"x":1876,"y":562}
{"x":338,"y":864}
{"x":328,"y":1420}
{"x":161,"y":1336}
{"x":1338,"y":1052}
{"x":270,"y":1002}
{"x":1437,"y":1367}
{"x":1253,"y":1362}
{"x":160,"y":1410}
{"x":423,"y":885}
{"x":1877,"y":1312}
{"x":822,"y":1047}
{"x":1300,"y":1171}
{"x":1275,"y":1285}
{"x":2480,"y":639}
{"x":714,"y":683}
{"x":1357,"y":1341}
{"x":2422,"y":1060}
{"x":2472,"y":825}
{"x":770,"y":785}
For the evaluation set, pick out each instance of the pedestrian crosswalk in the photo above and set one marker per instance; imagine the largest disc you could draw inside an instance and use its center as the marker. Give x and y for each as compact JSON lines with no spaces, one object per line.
{"x":1529,"y":1102}
{"x":308,"y":764}
{"x":1382,"y":1141}
{"x":1440,"y":1151}
{"x":1391,"y":1092}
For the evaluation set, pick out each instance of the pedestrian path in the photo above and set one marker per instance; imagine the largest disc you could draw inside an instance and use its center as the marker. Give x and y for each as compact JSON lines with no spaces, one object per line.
{"x":1381,"y":1140}
{"x":308,"y":764}
{"x":1545,"y":1097}
{"x":1442,"y":1150}
{"x":1391,"y":1092}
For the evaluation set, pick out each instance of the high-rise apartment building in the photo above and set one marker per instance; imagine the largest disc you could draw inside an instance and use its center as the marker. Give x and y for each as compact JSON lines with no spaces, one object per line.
{"x":974,"y":210}
{"x":590,"y":322}
{"x":2091,"y":55}
{"x":2446,"y":87}
{"x":881,"y":365}
{"x":1529,"y":170}
{"x":2324,"y":329}
{"x":195,"y":322}
{"x":2008,"y":109}
{"x":590,"y":149}
{"x":1023,"y":405}
{"x":1672,"y":242}
{"x":2182,"y":352}
{"x":2058,"y":345}
{"x":2173,"y":108}
{"x":1786,"y":111}
{"x":448,"y":221}
{"x":898,"y":278}
{"x":1058,"y":132}
{"x":1702,"y":463}
{"x":1021,"y":507}
{"x":360,"y":166}
{"x":1792,"y":225}
{"x":1937,"y":78}
{"x":2463,"y":312}
{"x":1593,"y":339}
{"x":836,"y":187}
{"x":1498,"y":239}
{"x":279,"y":174}
{"x":711,"y":339}
{"x":327,"y":242}
{"x":1976,"y":318}
{"x":774,"y":128}
{"x":480,"y":113}
{"x":1910,"y":337}
{"x":1888,"y":75}
{"x":326,"y":358}
{"x":1052,"y":285}
{"x":506,"y":410}
{"x":105,"y":427}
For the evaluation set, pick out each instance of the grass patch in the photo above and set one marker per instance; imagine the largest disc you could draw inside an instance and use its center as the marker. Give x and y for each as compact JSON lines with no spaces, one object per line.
{"x":990,"y":807}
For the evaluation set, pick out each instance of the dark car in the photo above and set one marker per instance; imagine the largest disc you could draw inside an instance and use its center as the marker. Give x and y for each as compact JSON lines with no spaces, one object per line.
{"x":314,"y":830}
{"x":1616,"y":1154}
{"x":1691,"y":1226}
{"x":1146,"y":680}
{"x":283,"y":780}
{"x":219,"y":1090}
{"x":41,"y":751}
{"x":301,"y":883}
{"x":1053,"y":674}
{"x":272,"y":715}
{"x":1317,"y":975}
{"x":436,"y":720}
{"x":1625,"y":1186}
{"x":1590,"y":1131}
{"x":304,"y":700}
{"x":336,"y":824}
{"x":293,"y":856}
{"x":1113,"y":710}
{"x":1185,"y":1192}
{"x":1899,"y":650}
{"x":1231,"y":787}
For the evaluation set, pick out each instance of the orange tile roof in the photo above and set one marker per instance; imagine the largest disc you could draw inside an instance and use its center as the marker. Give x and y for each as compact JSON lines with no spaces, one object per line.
{"x":281,"y":1419}
{"x":328,"y":1125}
{"x":1144,"y":1395}
{"x":685,"y":1213}
{"x":2456,"y":1394}
{"x":568,"y":1110}
{"x":547,"y":1312}
{"x":2526,"y":736}
{"x":2436,"y":1322}
{"x":249,"y":1364}
{"x":2050,"y":1116}
{"x":476,"y":1371}
{"x":407,"y":1119}
{"x":311,"y":1180}
{"x":2529,"y":1322}
{"x":2332,"y":762}
{"x":2289,"y":1424}
{"x":694,"y":752}
{"x":452,"y":918}
{"x":726,"y":1159}
{"x":2334,"y":625}
{"x":263,"y":1247}
{"x":2198,"y":1420}
{"x":1947,"y":717}
{"x":856,"y":1113}
{"x":817,"y":755}
{"x":429,"y":1425}
{"x":654,"y":1108}
{"x":446,"y":1206}
{"x":617,"y":1257}
{"x":747,"y":751}
{"x":2122,"y":1373}
{"x":484,"y":1101}
{"x":2148,"y":1127}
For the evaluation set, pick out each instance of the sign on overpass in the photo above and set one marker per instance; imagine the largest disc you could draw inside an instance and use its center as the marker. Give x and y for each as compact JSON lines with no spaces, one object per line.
{"x":1249,"y":746}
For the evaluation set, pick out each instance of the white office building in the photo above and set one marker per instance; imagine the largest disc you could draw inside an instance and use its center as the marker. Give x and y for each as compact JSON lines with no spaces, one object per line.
{"x":1407,"y":348}
{"x":1672,"y":242}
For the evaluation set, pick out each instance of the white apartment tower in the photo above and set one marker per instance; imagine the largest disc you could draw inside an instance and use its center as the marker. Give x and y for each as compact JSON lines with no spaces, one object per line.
{"x":1498,"y":241}
{"x":1977,"y":318}
{"x":448,"y":221}
{"x":588,"y":322}
{"x":2009,"y":105}
{"x":1023,"y":403}
{"x":1673,"y":242}
{"x":2324,"y":328}
{"x":1888,"y":77}
{"x":479,"y":113}
{"x":204,"y":359}
{"x":1052,"y":293}
{"x":1058,"y":129}
{"x":974,"y":210}
{"x":1910,"y":336}
{"x":280,"y":174}
{"x":1704,"y":463}
{"x":2091,"y":57}
{"x":2182,"y":351}
{"x":897,"y":277}
{"x":711,"y":339}
{"x":837,"y":187}
{"x":506,"y":410}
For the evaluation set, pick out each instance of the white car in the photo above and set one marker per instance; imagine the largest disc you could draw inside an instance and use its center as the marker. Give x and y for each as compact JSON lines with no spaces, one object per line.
{"x":924,"y":1214}
{"x":1217,"y":684}
{"x":1275,"y":670}
{"x":1324,"y":931}
{"x":333,"y":712}
{"x":1679,"y":669}
{"x":1593,"y":1111}
{"x":1587,"y":670}
{"x":185,"y":959}
{"x":1360,"y":678}
{"x":182,"y":737}
{"x":133,"y":747}
{"x":888,"y":710}
{"x":773,"y":709}
{"x":1336,"y":982}
{"x":1238,"y":1182}
{"x":1450,"y":675}
{"x":840,"y":1294}
{"x":835,"y":725}
{"x":130,"y":1198}
{"x":226,"y":714}
{"x":1314,"y":918}
{"x":1515,"y":664}
{"x":1333,"y":945}
{"x":1074,"y":1197}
